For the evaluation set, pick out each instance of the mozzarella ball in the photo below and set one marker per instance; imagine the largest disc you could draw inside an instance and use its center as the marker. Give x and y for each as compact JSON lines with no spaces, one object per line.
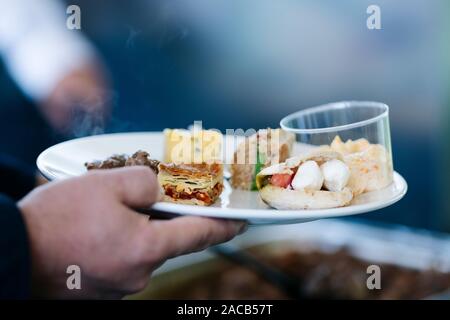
{"x":336,"y":174}
{"x":308,"y":177}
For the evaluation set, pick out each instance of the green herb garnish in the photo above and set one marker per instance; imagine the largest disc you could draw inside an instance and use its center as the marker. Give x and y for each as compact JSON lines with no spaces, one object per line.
{"x":260,"y":161}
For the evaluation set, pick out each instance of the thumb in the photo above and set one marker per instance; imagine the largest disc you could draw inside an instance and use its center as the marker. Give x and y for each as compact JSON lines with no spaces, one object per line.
{"x":189,"y":234}
{"x":135,"y":187}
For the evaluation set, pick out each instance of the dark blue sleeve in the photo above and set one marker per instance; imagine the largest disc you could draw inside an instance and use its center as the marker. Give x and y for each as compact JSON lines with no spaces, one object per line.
{"x":15,"y":265}
{"x":16,"y":178}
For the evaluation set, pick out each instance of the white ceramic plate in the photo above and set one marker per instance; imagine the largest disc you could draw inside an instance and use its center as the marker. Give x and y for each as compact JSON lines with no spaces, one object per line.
{"x":67,"y":160}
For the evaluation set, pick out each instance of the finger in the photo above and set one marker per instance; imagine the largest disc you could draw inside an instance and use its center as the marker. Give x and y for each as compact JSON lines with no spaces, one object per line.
{"x":189,"y":234}
{"x":134,"y":186}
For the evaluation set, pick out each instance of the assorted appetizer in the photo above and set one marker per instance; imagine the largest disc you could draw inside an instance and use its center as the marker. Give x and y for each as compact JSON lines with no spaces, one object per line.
{"x":266,"y":147}
{"x":327,"y":177}
{"x":316,"y":180}
{"x":370,"y":164}
{"x":199,"y":184}
{"x":192,"y":172}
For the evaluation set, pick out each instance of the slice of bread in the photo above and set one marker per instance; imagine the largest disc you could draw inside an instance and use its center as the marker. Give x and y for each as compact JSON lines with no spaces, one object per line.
{"x":265,"y":148}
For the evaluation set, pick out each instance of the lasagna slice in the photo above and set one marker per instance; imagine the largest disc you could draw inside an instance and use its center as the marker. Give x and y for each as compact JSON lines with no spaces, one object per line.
{"x":199,"y":184}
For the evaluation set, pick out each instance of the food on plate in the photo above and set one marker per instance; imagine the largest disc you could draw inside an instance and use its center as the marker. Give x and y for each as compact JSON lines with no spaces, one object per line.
{"x":336,"y":174}
{"x":142,"y":158}
{"x":192,"y":146}
{"x":370,"y":164}
{"x":139,"y":158}
{"x":328,"y":176}
{"x":308,"y":176}
{"x":115,"y":161}
{"x":314,"y":180}
{"x":199,"y":184}
{"x":265,"y":148}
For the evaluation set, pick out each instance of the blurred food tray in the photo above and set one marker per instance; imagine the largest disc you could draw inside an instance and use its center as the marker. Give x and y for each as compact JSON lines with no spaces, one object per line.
{"x":382,"y":244}
{"x":403,"y":246}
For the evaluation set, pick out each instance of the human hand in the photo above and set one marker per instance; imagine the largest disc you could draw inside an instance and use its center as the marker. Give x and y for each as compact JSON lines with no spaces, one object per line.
{"x":89,"y":221}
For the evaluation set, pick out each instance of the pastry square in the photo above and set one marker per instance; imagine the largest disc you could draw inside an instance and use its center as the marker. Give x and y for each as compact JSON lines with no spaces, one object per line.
{"x":199,"y":184}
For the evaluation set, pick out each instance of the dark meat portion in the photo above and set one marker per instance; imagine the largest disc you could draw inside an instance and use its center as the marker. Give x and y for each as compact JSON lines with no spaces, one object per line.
{"x":139,"y":158}
{"x":115,"y":161}
{"x":142,"y":158}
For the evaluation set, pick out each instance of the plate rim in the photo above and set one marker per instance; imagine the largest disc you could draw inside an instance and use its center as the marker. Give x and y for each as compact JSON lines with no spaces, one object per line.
{"x":288,"y":214}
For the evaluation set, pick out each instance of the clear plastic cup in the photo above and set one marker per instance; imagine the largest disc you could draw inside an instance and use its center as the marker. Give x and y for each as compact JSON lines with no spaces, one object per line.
{"x":348,"y":126}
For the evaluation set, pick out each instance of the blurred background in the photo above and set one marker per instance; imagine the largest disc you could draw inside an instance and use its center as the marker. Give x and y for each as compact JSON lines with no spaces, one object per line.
{"x":151,"y":64}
